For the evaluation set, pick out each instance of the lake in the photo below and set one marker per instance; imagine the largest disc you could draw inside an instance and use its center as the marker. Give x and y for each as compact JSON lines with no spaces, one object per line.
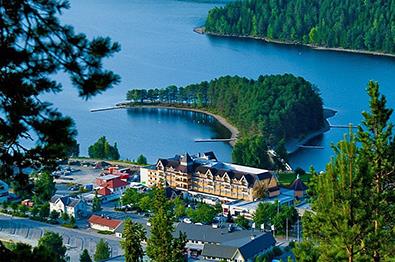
{"x":159,"y":49}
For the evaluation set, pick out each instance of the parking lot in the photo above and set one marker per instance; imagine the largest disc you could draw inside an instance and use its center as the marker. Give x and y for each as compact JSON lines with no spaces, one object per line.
{"x":76,"y":240}
{"x":80,"y":175}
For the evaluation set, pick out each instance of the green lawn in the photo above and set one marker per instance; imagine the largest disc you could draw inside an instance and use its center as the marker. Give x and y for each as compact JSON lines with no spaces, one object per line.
{"x":286,"y":179}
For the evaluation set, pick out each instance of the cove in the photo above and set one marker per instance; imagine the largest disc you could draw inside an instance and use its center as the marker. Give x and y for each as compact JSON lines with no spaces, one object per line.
{"x":159,"y":48}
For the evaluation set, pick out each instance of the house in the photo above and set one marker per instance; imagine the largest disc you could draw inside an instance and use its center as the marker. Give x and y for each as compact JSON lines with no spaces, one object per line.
{"x":239,"y":251}
{"x":111,"y":187}
{"x":298,"y":187}
{"x":76,"y":207}
{"x":200,"y":235}
{"x":119,"y":230}
{"x":203,"y":173}
{"x":4,"y":187}
{"x":104,"y":223}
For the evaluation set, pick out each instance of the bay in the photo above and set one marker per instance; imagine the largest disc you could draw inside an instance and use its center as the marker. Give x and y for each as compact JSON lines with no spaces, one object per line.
{"x":159,"y":49}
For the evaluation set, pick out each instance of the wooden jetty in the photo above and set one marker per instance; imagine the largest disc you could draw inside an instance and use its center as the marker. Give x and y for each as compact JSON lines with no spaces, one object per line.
{"x":343,"y":126}
{"x":206,"y":140}
{"x":310,"y":147}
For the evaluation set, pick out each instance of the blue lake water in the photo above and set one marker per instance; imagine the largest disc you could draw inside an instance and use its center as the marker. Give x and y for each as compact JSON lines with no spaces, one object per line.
{"x":159,"y":48}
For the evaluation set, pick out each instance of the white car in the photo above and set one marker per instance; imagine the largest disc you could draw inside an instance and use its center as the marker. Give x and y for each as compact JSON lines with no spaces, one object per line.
{"x":187,"y":220}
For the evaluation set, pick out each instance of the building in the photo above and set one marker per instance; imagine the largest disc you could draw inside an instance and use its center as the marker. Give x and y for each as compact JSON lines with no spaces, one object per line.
{"x":298,"y":187}
{"x":248,"y":208}
{"x":104,"y":223}
{"x":203,"y":173}
{"x":110,"y":187}
{"x":76,"y":207}
{"x":200,"y":239}
{"x":239,"y":251}
{"x":4,"y":187}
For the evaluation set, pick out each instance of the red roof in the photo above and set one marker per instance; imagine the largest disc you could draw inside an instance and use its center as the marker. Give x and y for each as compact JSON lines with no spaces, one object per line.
{"x":103,"y":221}
{"x":104,"y":191}
{"x":115,"y":183}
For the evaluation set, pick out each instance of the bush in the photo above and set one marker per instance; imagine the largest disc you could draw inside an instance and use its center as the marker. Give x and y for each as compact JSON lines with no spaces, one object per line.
{"x":105,"y":232}
{"x":70,"y":225}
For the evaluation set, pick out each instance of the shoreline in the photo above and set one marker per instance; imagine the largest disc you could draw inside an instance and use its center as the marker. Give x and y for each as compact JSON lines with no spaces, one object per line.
{"x":292,"y":146}
{"x":224,"y":122}
{"x":201,"y":30}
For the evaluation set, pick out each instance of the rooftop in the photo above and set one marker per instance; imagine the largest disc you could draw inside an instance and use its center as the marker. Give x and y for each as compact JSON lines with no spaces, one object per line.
{"x":107,"y":177}
{"x":206,"y":233}
{"x":104,"y":221}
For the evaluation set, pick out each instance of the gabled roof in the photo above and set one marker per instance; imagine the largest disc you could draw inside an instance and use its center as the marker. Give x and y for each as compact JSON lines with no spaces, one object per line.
{"x":218,"y":251}
{"x":257,"y":245}
{"x":207,"y":233}
{"x":66,"y":200}
{"x":186,"y":158}
{"x":298,"y":185}
{"x":104,"y":221}
{"x":115,"y":183}
{"x":104,"y":191}
{"x":248,"y":248}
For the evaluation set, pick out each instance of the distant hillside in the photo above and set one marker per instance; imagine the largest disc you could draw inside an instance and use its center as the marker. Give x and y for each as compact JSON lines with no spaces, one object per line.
{"x":362,"y":25}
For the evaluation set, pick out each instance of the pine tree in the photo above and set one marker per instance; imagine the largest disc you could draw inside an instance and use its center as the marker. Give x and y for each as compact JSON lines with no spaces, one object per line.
{"x":132,"y":236}
{"x":34,"y":46}
{"x":378,"y":149}
{"x":96,"y":203}
{"x":339,"y":224}
{"x":84,"y":257}
{"x":102,"y":251}
{"x":161,"y":246}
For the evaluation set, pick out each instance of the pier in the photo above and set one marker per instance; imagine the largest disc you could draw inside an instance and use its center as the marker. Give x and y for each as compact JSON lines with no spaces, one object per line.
{"x":343,"y":126}
{"x":203,"y":140}
{"x":105,"y":109}
{"x":310,"y":147}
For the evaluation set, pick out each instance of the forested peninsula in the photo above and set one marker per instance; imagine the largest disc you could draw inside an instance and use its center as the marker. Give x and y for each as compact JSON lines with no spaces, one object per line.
{"x":365,"y":26}
{"x":267,"y":111}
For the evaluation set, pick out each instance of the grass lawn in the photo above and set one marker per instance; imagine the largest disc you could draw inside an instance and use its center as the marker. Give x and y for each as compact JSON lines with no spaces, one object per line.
{"x":286,"y":179}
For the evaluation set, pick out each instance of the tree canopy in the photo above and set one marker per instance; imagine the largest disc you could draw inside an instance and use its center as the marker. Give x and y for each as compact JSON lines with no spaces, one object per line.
{"x":132,"y":236}
{"x":34,"y":46}
{"x":267,"y":111}
{"x":103,"y":150}
{"x":102,"y":251}
{"x":161,"y":245}
{"x":362,"y":25}
{"x":353,"y":200}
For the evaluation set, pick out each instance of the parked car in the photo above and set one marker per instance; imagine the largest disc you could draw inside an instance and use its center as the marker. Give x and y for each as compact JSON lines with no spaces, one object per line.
{"x":187,"y":220}
{"x":74,"y":188}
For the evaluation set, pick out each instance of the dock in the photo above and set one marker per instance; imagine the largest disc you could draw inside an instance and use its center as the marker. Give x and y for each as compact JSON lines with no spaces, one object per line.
{"x":310,"y":147}
{"x":105,"y":109}
{"x":343,"y":126}
{"x":207,"y":140}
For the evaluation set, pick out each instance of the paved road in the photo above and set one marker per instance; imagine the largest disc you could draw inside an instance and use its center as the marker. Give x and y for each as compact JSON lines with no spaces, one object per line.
{"x":29,"y":231}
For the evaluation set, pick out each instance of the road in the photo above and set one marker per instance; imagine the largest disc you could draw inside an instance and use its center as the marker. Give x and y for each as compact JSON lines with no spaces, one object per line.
{"x":30,"y":231}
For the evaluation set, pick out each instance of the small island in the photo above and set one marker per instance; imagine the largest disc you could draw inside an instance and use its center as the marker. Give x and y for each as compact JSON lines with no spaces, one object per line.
{"x":262,"y":114}
{"x":351,"y":26}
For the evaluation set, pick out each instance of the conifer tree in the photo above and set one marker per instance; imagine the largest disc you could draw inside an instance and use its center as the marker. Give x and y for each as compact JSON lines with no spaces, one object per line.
{"x":378,"y":149}
{"x":161,"y":246}
{"x":34,"y":46}
{"x":339,"y":224}
{"x":84,"y":257}
{"x":102,"y":251}
{"x":132,"y":236}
